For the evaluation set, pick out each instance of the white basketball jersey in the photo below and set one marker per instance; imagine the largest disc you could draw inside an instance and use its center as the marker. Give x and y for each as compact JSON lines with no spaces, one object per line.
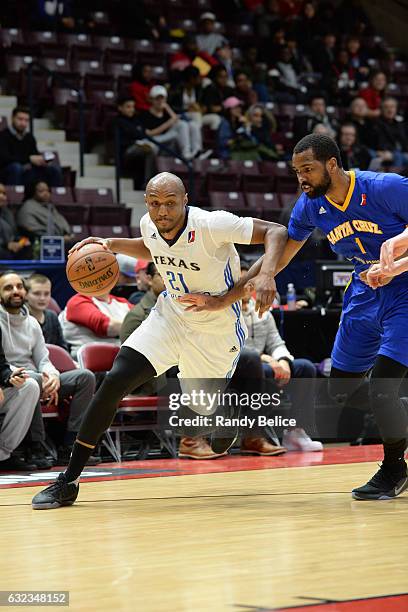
{"x":202,"y":260}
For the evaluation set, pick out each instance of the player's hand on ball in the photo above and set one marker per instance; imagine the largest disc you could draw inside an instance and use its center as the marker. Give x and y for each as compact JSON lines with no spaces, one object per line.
{"x":199,"y":302}
{"x":91,"y":240}
{"x":265,"y":288}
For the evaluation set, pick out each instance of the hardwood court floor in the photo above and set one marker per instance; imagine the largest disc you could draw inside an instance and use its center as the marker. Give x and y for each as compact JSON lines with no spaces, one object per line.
{"x":256,"y":539}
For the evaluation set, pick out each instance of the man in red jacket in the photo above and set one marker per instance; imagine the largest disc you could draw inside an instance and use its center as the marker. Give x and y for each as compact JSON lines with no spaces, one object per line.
{"x":93,"y":319}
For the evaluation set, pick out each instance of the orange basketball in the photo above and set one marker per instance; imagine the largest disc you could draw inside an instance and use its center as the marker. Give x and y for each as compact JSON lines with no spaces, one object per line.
{"x":92,"y":270}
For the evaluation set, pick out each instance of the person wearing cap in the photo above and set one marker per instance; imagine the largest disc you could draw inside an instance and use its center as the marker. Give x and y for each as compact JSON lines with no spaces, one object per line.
{"x":162,"y":124}
{"x":133,"y":271}
{"x":234,"y":138}
{"x":209,"y":40}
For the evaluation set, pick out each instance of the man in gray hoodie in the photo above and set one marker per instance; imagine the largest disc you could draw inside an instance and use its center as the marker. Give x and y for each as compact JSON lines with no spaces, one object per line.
{"x":24,"y":346}
{"x":280,"y":365}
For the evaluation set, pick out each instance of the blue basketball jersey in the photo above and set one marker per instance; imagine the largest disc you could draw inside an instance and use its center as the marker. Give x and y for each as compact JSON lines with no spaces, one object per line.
{"x":375,"y":209}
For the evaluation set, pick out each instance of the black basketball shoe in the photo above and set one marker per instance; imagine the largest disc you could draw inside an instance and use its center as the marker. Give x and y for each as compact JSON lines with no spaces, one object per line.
{"x":385,"y":484}
{"x":59,"y":493}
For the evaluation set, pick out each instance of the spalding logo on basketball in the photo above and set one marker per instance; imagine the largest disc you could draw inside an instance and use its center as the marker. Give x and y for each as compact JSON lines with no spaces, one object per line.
{"x":92,"y":270}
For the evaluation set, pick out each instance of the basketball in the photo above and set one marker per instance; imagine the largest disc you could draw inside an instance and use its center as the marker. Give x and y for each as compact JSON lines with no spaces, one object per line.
{"x":92,"y":270}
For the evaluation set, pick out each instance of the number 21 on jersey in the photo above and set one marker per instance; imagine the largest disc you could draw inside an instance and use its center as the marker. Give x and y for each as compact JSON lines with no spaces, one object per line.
{"x":176,"y":282}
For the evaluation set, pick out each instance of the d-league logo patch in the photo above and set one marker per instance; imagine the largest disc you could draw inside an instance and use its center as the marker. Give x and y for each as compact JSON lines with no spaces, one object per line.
{"x":191,"y":236}
{"x":363,"y":199}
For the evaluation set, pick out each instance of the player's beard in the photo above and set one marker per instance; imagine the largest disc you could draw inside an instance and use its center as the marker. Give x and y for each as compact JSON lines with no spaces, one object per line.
{"x":320,"y":190}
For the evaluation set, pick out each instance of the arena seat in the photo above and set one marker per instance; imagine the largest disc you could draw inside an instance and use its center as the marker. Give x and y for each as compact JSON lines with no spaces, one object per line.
{"x":229,"y":200}
{"x":99,"y":197}
{"x":99,"y":357}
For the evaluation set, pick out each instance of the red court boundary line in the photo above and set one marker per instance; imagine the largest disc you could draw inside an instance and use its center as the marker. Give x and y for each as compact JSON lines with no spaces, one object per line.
{"x":232,"y":463}
{"x":382,"y":603}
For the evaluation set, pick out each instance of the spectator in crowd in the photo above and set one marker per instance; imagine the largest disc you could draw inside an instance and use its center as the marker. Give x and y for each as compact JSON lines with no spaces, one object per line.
{"x":280,"y":365}
{"x":224,"y":57}
{"x":139,"y":88}
{"x":20,"y":161}
{"x":357,"y":58}
{"x":365,"y":127}
{"x":38,"y":297}
{"x":185,"y":99}
{"x":262,"y":124}
{"x":142,"y":281}
{"x":324,"y":55}
{"x":269,"y":19}
{"x":161,"y":123}
{"x":190,"y":55}
{"x":52,"y":16}
{"x":234,"y":138}
{"x":316,"y":113}
{"x":24,"y":346}
{"x":93,"y":319}
{"x":342,"y":79}
{"x":308,"y":28}
{"x":18,"y":398}
{"x":137,"y":157}
{"x":321,"y":128}
{"x":391,"y":132}
{"x":218,"y":91}
{"x":289,"y":80}
{"x":12,"y":245}
{"x":374,"y":93}
{"x":127,"y":279}
{"x":353,"y":154}
{"x":38,"y":216}
{"x":250,"y":64}
{"x":244,"y":89}
{"x":209,"y":40}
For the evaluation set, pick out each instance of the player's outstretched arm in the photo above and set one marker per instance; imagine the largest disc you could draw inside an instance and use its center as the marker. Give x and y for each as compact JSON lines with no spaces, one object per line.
{"x":199,"y":302}
{"x":135,"y":247}
{"x":391,"y":250}
{"x":274,"y":238}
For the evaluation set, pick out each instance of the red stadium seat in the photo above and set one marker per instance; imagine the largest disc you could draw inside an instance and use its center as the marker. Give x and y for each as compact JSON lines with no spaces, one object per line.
{"x":108,"y":42}
{"x":261,"y":201}
{"x":109,"y":215}
{"x":223,"y":181}
{"x":80,"y":231}
{"x":99,"y":197}
{"x":60,"y":359}
{"x":70,"y":40}
{"x":38,"y":38}
{"x":75,"y":214}
{"x":15,"y":194}
{"x":62,"y":195}
{"x":9,"y":36}
{"x":225,"y":200}
{"x":109,"y":231}
{"x":54,"y":306}
{"x":286,"y":199}
{"x":99,"y":357}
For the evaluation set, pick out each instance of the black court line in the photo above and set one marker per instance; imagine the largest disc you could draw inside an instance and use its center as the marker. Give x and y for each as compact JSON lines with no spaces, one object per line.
{"x":315,"y":601}
{"x":123,"y":499}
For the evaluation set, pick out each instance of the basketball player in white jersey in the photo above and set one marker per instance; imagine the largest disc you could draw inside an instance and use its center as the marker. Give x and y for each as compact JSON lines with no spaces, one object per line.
{"x":194,"y":251}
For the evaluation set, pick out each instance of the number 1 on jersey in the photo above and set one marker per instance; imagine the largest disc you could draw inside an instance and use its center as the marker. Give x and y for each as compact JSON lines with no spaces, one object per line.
{"x":172,"y":280}
{"x":360,"y":245}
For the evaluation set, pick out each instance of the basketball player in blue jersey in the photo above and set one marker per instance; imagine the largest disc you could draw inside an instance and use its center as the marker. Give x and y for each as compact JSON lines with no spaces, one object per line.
{"x":193,"y":250}
{"x":358,"y":211}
